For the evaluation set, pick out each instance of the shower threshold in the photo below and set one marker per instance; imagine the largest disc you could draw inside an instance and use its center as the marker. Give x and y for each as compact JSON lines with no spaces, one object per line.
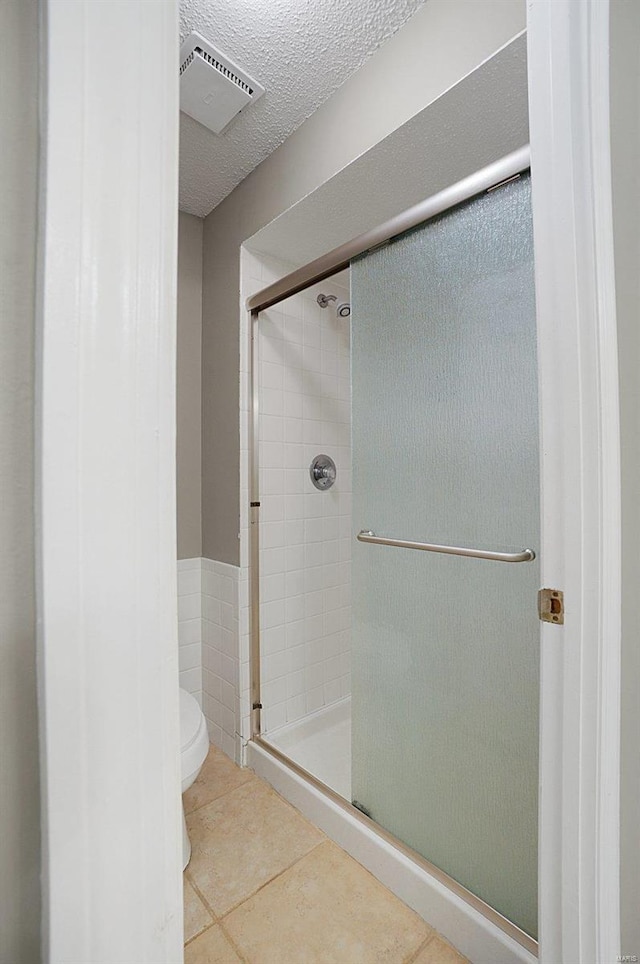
{"x":321,"y":744}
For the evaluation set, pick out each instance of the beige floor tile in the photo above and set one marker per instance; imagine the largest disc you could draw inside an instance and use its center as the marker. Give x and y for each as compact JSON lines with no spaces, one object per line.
{"x":212,"y":947}
{"x":242,"y":840}
{"x":218,"y":775}
{"x":438,"y":951}
{"x":196,"y":915}
{"x":325,"y":910}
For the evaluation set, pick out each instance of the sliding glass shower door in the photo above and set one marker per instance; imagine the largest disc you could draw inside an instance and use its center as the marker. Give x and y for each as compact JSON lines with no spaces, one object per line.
{"x":445,"y":452}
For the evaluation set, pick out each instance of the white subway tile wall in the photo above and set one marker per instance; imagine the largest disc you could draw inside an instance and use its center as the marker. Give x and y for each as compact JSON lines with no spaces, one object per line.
{"x":208,"y":640}
{"x":305,"y":535}
{"x":220,"y":654}
{"x":190,"y":626}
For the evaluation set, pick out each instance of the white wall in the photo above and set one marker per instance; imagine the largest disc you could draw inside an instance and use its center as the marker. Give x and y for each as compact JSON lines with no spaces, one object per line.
{"x":442,"y":43}
{"x":19,"y":791}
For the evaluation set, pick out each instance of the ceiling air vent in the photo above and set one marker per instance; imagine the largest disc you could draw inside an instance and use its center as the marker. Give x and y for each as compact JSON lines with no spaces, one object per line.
{"x":213,"y":90}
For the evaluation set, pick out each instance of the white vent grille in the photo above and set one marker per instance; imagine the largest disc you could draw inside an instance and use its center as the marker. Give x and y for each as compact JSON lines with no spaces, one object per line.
{"x":186,"y":63}
{"x":224,"y":70}
{"x":213,"y":90}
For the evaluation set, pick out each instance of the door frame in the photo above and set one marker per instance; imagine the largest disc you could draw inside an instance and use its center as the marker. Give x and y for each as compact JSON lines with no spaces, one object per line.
{"x":579,"y":901}
{"x":569,"y":64}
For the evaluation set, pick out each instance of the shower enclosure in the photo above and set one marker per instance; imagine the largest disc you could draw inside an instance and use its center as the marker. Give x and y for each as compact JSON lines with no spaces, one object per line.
{"x":395,"y":624}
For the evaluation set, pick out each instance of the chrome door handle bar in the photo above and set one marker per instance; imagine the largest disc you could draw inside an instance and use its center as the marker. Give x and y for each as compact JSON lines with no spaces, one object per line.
{"x":525,"y":556}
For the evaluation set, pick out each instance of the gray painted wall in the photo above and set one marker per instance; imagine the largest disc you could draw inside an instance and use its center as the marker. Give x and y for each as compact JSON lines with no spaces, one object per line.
{"x":188,"y":387}
{"x":443,"y":42}
{"x":625,"y":147}
{"x":19,"y":790}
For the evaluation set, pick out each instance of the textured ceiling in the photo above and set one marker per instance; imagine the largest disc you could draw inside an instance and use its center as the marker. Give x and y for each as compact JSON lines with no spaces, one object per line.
{"x":301,"y":51}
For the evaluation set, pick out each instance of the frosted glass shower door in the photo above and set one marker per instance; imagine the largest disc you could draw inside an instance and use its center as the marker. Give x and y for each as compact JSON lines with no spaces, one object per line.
{"x":445,"y":450}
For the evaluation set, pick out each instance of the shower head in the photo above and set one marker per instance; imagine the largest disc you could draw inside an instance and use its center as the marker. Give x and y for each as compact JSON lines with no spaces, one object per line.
{"x":343,"y":308}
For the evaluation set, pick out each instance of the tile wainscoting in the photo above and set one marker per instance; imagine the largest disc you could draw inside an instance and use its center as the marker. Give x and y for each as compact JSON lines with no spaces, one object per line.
{"x":190,"y":626}
{"x":209,"y":597}
{"x":220,"y":655}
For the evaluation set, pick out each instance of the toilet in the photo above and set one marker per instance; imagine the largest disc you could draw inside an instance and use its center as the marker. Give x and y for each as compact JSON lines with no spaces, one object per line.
{"x":194,"y":746}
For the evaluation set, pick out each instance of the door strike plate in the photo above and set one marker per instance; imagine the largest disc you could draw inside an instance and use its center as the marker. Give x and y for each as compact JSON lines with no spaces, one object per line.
{"x":551,"y":606}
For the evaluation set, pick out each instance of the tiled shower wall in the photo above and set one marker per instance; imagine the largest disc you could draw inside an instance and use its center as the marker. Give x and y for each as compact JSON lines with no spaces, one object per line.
{"x":305,"y":535}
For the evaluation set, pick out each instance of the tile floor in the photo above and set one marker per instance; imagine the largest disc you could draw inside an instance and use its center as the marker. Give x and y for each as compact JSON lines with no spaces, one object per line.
{"x":264,"y":886}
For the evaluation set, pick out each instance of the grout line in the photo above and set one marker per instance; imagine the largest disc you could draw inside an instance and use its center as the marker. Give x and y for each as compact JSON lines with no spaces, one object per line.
{"x":218,"y":919}
{"x":271,"y":880}
{"x":217,"y":750}
{"x":204,"y":900}
{"x":200,"y":933}
{"x":224,"y":793}
{"x":236,"y":948}
{"x":420,"y":947}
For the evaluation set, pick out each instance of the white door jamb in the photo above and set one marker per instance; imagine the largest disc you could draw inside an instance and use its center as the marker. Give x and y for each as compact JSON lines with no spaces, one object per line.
{"x":580,"y":709}
{"x":107,"y":606}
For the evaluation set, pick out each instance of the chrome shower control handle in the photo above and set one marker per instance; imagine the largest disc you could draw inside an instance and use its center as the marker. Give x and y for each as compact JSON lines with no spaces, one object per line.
{"x":323,"y":472}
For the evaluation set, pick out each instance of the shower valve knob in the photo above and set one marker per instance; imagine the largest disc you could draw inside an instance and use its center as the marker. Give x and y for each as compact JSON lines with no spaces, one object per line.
{"x":323,"y":472}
